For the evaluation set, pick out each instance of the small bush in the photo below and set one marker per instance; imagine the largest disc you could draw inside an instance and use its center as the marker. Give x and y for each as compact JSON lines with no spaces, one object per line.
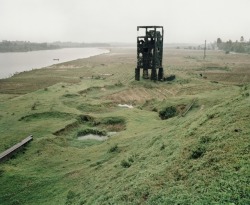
{"x":204,"y":139}
{"x":168,"y":112}
{"x":113,"y":149}
{"x":125,"y":164}
{"x":210,"y":116}
{"x":85,"y":118}
{"x":131,"y":159}
{"x":155,"y":109}
{"x":163,"y":146}
{"x":198,"y":152}
{"x":33,"y":107}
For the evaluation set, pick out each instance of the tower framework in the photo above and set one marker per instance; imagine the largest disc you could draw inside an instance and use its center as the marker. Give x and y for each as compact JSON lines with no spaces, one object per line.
{"x":149,"y":52}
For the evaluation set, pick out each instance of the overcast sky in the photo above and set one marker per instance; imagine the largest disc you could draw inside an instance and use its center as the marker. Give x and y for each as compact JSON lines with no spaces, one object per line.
{"x":184,"y":21}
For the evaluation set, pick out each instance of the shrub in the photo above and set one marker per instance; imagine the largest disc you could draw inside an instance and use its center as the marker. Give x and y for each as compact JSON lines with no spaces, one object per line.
{"x":168,"y":112}
{"x":125,"y":164}
{"x":163,"y":146}
{"x":205,"y":139}
{"x":155,"y":109}
{"x":131,"y":159}
{"x":33,"y":107}
{"x":198,"y":152}
{"x":113,"y":148}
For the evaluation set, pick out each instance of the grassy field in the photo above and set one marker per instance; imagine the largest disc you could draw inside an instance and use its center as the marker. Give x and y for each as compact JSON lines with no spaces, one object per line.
{"x":199,"y":158}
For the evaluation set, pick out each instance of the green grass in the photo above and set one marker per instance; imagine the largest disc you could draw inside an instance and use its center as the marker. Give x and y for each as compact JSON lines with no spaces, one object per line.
{"x":202,"y":158}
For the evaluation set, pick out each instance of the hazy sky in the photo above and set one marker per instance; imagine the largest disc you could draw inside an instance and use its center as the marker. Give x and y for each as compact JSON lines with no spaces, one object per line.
{"x":184,"y":21}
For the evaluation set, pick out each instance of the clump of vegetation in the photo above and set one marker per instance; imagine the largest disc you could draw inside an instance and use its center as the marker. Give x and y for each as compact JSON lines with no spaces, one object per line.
{"x":85,"y":118}
{"x":205,"y":139}
{"x":198,"y":152}
{"x":155,"y":109}
{"x":168,"y":112}
{"x":114,"y":123}
{"x":34,"y":105}
{"x":113,"y":149}
{"x":113,"y":120}
{"x":125,"y":163}
{"x":72,"y":197}
{"x":70,"y":95}
{"x":162,"y":146}
{"x":91,"y":131}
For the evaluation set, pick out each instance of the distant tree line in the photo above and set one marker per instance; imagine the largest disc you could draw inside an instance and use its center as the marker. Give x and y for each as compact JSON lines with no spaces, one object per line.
{"x":238,"y":46}
{"x":78,"y":45}
{"x":24,"y":46}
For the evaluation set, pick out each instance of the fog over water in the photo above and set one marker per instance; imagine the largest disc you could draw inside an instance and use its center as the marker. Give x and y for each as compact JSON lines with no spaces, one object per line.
{"x":184,"y":21}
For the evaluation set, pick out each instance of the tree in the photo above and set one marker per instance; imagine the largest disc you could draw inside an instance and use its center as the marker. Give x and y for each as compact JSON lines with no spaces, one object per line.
{"x":241,"y":39}
{"x":219,"y":41}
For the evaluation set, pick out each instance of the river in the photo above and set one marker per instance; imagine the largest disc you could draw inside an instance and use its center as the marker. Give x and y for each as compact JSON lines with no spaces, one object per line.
{"x":15,"y":62}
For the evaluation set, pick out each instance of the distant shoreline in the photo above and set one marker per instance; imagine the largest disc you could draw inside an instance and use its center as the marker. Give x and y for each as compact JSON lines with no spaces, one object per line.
{"x":27,"y":46}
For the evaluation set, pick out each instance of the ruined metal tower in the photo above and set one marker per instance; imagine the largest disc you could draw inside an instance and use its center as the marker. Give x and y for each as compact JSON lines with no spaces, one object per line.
{"x":149,"y":52}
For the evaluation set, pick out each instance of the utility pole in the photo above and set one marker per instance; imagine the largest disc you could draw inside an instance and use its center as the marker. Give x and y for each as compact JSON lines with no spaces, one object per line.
{"x":205,"y":50}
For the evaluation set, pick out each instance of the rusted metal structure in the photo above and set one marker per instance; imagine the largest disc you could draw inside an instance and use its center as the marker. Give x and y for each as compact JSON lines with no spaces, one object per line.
{"x":149,"y":52}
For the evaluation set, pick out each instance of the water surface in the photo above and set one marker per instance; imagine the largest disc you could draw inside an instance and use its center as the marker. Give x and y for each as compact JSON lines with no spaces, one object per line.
{"x":15,"y":62}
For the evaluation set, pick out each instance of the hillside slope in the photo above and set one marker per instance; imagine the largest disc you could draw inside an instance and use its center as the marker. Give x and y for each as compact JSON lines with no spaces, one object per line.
{"x":200,"y":158}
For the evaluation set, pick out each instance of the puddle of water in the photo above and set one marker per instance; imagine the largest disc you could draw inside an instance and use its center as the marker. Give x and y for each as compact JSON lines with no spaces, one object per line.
{"x":111,"y":133}
{"x":96,"y":137}
{"x":125,"y":106}
{"x":93,"y":137}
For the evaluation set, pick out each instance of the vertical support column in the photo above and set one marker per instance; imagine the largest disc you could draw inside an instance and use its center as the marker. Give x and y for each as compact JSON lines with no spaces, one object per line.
{"x":160,"y":74}
{"x":154,"y":74}
{"x":137,"y":74}
{"x":154,"y":71}
{"x":145,"y":74}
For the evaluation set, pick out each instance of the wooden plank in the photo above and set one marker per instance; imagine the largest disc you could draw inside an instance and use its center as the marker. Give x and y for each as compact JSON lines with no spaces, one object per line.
{"x":7,"y":153}
{"x":188,"y":107}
